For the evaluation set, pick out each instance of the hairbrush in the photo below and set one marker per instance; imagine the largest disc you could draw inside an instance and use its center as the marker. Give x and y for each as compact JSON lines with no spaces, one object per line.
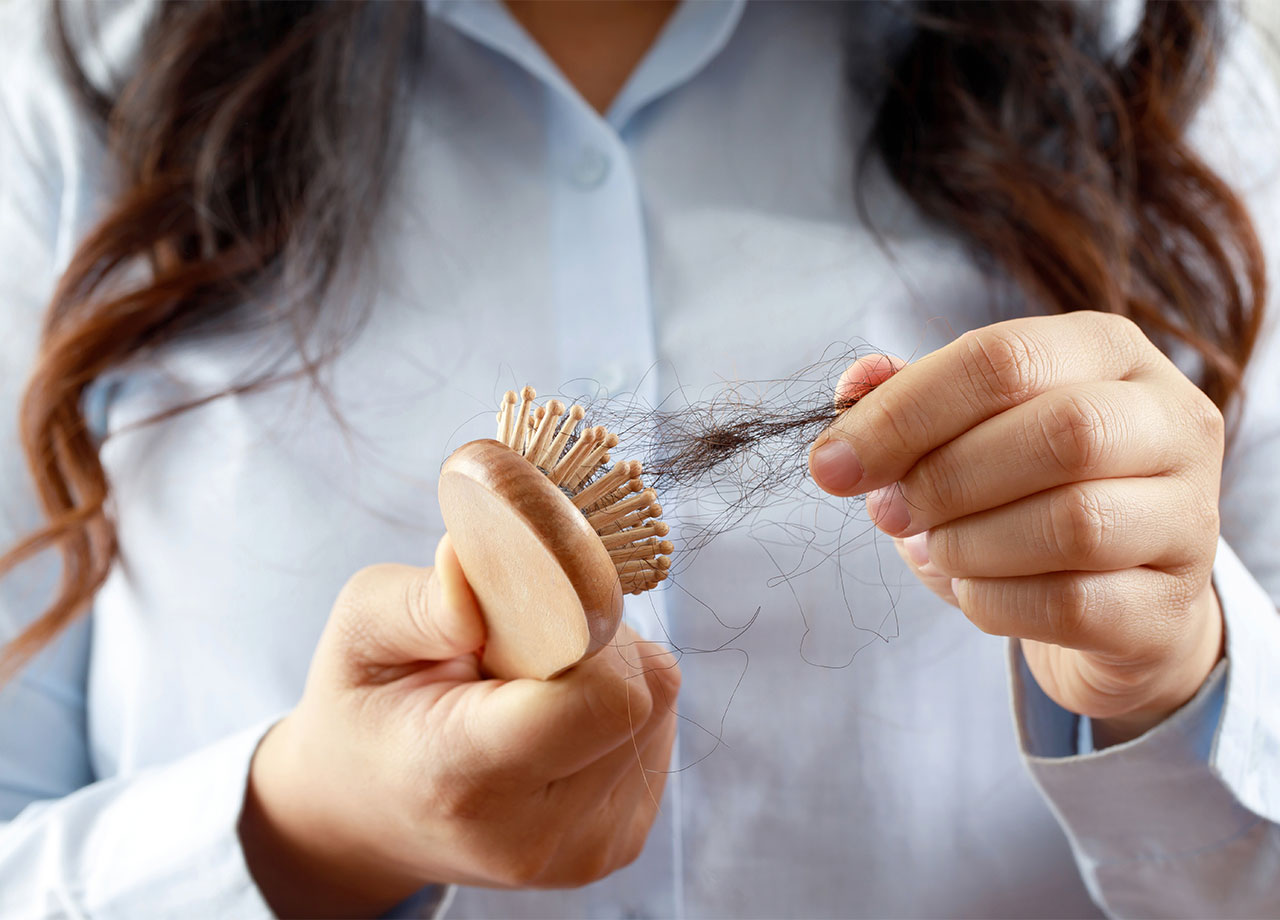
{"x":550,"y":535}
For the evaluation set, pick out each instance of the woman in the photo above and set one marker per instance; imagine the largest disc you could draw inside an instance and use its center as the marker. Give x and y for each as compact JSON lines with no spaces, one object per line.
{"x":313,"y":239}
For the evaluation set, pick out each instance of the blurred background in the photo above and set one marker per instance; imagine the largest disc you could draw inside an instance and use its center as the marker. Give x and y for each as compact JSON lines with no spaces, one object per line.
{"x":1265,"y":14}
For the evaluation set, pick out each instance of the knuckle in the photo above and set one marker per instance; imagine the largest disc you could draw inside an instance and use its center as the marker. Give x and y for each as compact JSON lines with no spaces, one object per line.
{"x":1080,"y":525}
{"x":1128,"y":344}
{"x":1117,"y":324}
{"x":937,"y":487}
{"x":1068,"y":606}
{"x":1124,"y":336}
{"x":946,"y":550}
{"x":1208,"y":521}
{"x":1198,"y":502}
{"x":664,"y":667}
{"x":901,"y":424}
{"x":1001,"y":360}
{"x":1180,"y":594}
{"x":667,"y":675}
{"x":362,"y":585}
{"x":1207,"y":421}
{"x":351,"y":632}
{"x":355,"y":608}
{"x":618,"y":704}
{"x":1201,"y":519}
{"x":672,"y":677}
{"x":1076,"y":432}
{"x":416,"y":592}
{"x":523,"y":866}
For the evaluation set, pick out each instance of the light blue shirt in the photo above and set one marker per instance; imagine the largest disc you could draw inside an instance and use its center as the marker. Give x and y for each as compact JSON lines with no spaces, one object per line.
{"x":852,"y":753}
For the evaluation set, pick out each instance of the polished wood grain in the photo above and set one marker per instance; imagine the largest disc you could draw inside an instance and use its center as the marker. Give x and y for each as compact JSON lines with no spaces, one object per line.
{"x":547,"y":586}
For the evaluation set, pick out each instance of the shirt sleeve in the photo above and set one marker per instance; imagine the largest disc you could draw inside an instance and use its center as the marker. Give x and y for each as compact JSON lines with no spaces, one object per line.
{"x":160,"y":842}
{"x":1184,"y":821}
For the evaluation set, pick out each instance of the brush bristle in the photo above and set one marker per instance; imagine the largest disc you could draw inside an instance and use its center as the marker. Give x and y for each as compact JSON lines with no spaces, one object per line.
{"x":614,"y":499}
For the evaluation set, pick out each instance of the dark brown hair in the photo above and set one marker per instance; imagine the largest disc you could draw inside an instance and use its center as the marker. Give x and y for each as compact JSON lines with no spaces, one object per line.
{"x":254,"y":140}
{"x":1068,"y":166}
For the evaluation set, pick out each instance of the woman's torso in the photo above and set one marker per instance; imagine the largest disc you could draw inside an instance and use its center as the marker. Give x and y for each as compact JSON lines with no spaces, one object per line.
{"x":852,"y":752}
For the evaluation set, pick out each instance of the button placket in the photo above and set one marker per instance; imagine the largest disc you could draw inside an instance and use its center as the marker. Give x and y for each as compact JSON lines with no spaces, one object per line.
{"x":604,"y":314}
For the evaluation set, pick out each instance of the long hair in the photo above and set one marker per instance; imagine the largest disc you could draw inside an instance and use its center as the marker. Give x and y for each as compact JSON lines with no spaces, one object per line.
{"x":254,"y":139}
{"x":1067,"y":166}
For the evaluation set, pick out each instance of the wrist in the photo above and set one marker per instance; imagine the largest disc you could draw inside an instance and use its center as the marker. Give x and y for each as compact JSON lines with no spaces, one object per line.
{"x":303,"y":861}
{"x":1184,"y":678}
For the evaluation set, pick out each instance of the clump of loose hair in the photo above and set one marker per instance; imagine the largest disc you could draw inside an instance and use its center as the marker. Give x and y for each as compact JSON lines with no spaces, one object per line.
{"x":734,"y":449}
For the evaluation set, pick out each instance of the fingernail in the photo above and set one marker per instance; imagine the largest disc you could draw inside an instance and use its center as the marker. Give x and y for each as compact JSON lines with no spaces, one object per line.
{"x":955,"y":588}
{"x":835,"y":467}
{"x":917,"y":548}
{"x":887,"y":507}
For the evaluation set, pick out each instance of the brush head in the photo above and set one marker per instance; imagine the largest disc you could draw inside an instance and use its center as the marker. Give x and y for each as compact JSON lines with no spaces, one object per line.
{"x":550,"y":536}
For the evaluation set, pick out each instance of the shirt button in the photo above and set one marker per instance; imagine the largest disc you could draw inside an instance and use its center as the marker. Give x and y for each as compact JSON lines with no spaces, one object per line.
{"x":591,"y":169}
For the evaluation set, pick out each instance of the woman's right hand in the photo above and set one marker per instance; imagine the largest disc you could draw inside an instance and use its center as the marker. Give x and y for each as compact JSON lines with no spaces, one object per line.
{"x":402,"y":767}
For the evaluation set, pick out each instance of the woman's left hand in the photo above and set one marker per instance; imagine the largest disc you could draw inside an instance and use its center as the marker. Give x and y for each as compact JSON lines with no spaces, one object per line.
{"x":1056,"y":478}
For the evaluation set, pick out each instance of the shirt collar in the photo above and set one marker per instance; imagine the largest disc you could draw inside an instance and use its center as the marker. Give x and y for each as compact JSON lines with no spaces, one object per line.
{"x":694,"y":35}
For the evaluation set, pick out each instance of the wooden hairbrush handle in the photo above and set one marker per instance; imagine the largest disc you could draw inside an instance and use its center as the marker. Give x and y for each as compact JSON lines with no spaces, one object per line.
{"x":547,"y":588}
{"x":549,"y":546}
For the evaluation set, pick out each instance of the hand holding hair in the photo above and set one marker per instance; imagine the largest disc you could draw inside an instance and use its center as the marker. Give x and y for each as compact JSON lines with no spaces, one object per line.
{"x":1055,"y":477}
{"x":401,"y":767}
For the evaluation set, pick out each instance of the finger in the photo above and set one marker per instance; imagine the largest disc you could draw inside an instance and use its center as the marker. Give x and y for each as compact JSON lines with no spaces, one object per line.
{"x":597,"y":780}
{"x":1094,"y":526}
{"x":614,"y":832}
{"x":1108,"y":430}
{"x":641,"y":763}
{"x":979,"y":375}
{"x":931,"y":577}
{"x":1116,"y":613}
{"x":396,"y":614}
{"x":630,"y":756}
{"x":554,"y":728}
{"x":864,"y":375}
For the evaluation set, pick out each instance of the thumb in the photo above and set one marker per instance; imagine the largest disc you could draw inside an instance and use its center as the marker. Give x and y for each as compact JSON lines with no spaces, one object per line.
{"x":396,"y":614}
{"x":453,"y":622}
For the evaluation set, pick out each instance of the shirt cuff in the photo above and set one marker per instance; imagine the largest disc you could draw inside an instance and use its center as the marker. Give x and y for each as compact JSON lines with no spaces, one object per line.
{"x":159,"y":843}
{"x":1246,"y":753}
{"x":1203,"y":776}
